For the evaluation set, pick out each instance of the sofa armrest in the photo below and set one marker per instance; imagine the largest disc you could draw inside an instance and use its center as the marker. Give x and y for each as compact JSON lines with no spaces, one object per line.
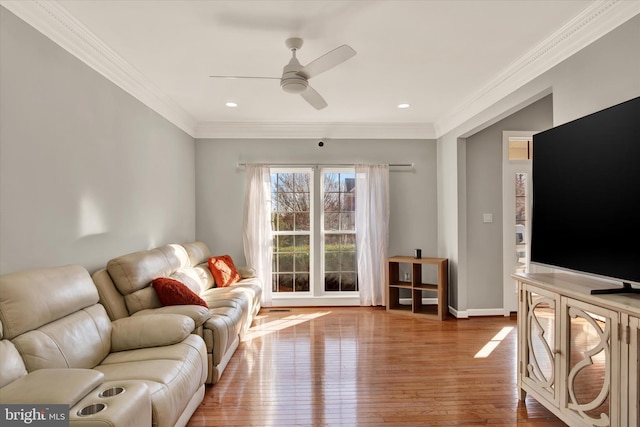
{"x":153,"y":330}
{"x":246,"y":272}
{"x":198,"y":313}
{"x":53,"y":386}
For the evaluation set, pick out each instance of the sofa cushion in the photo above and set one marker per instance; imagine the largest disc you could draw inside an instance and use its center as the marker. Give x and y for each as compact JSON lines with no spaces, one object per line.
{"x":135,"y":271}
{"x":223,"y":270}
{"x":205,"y":278}
{"x":198,"y":313}
{"x":142,"y":299}
{"x":79,"y":340}
{"x":12,"y":366}
{"x":171,"y":373}
{"x":172,"y":292}
{"x":191,"y":279}
{"x":52,"y":293}
{"x":198,"y":252}
{"x":154,"y":330}
{"x":52,"y":386}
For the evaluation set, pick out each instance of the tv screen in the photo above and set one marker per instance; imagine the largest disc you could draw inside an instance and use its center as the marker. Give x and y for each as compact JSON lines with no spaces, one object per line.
{"x":586,"y":194}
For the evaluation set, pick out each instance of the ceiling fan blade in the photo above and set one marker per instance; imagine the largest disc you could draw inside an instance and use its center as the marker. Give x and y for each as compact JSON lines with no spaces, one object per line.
{"x":245,"y":77}
{"x":314,"y":98}
{"x":327,"y":61}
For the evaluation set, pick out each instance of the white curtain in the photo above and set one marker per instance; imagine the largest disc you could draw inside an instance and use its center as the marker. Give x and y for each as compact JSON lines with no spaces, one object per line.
{"x":257,"y":237}
{"x":372,"y":231}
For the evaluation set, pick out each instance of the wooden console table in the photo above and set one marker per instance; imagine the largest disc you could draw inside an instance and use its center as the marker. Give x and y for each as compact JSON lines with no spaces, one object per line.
{"x":394,"y":284}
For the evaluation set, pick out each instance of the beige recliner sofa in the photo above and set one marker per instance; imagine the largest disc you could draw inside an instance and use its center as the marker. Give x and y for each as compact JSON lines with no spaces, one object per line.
{"x":125,"y":290}
{"x":59,"y":346}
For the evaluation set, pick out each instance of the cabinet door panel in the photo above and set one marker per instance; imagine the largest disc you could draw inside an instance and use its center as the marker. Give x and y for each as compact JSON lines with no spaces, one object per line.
{"x":634,"y":372}
{"x":541,"y":332}
{"x":592,"y":342}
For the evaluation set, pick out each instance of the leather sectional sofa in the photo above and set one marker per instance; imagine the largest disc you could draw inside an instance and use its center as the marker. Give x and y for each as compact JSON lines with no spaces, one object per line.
{"x":125,"y":290}
{"x":60,"y":347}
{"x":107,"y":348}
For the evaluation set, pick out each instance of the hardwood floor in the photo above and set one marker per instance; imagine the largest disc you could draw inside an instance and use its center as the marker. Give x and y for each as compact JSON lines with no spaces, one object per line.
{"x":364,"y":366}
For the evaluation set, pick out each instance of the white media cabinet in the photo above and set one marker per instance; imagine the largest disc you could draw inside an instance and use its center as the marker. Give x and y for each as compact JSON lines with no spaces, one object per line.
{"x":579,"y":354}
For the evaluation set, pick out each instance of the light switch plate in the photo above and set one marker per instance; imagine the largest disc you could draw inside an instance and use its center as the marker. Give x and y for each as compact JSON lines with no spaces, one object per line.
{"x":487,"y":218}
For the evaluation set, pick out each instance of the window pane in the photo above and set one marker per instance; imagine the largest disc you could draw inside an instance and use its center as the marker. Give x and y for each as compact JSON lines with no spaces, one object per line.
{"x":301,"y":243}
{"x":302,"y":202}
{"x":348,"y":282}
{"x":331,"y":221}
{"x":521,"y":184}
{"x":347,"y":202}
{"x":348,"y":242}
{"x":347,"y":221}
{"x":285,"y":181}
{"x":285,"y":283}
{"x":332,"y":282}
{"x":348,"y":261}
{"x":332,"y":242}
{"x":520,"y":149}
{"x":285,"y":262}
{"x":330,"y":182}
{"x":332,"y":202}
{"x":285,"y":222}
{"x":302,"y":221}
{"x":339,"y":215}
{"x":301,"y":182}
{"x":331,"y":261}
{"x":347,"y":182}
{"x":285,"y":244}
{"x":302,"y":262}
{"x":291,"y":206}
{"x":302,"y":283}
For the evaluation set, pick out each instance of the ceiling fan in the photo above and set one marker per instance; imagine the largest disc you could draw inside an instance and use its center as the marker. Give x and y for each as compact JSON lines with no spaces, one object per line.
{"x":295,"y":77}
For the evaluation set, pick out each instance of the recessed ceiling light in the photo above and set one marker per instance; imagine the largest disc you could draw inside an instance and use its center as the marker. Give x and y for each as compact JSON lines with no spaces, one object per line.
{"x":231,"y":104}
{"x":404,"y":105}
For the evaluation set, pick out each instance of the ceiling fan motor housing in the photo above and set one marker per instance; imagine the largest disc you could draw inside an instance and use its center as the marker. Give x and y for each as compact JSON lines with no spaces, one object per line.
{"x":291,"y":81}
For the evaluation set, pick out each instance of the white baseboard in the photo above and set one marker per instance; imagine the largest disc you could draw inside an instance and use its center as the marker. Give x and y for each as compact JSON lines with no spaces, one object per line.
{"x":347,"y":301}
{"x":477,"y":312}
{"x":315,"y":302}
{"x":485,"y":312}
{"x":458,"y":314}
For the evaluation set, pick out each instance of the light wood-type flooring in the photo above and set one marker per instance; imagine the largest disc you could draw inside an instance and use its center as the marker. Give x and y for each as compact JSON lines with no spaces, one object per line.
{"x":363,"y":366}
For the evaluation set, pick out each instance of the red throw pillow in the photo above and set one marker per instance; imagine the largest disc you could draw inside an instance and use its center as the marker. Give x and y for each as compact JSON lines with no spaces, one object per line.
{"x":223,"y":270}
{"x":173,"y":292}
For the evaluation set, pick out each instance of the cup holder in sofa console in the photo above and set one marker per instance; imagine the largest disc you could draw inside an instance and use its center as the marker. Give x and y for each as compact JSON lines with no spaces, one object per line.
{"x":92,"y":409}
{"x":110,"y":392}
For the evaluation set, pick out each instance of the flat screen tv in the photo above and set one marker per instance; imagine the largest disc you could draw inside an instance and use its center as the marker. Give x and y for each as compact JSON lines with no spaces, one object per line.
{"x":586,"y":196}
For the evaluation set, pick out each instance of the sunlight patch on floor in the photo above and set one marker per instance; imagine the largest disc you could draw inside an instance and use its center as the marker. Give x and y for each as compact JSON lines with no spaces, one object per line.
{"x":493,"y":343}
{"x":280,"y":324}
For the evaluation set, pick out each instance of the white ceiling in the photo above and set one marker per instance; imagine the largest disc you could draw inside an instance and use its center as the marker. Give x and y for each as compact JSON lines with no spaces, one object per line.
{"x":439,"y":56}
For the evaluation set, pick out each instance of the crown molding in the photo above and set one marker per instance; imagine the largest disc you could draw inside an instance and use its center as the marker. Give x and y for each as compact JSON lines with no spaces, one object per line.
{"x":226,"y":130}
{"x":56,"y":23}
{"x":592,"y":23}
{"x":52,"y":20}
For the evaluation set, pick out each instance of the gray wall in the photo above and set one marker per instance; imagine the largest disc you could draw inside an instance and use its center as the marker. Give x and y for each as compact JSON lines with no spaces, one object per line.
{"x":87,"y":172}
{"x":484,"y":195}
{"x":220,"y":185}
{"x":603,"y":74}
